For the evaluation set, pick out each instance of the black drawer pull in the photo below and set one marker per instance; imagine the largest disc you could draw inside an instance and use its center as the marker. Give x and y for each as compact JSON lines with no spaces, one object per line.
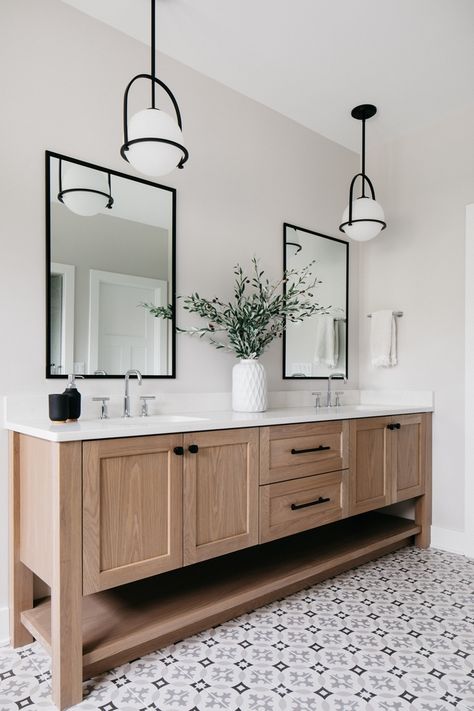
{"x":295,"y":507}
{"x":394,"y":426}
{"x":179,"y":451}
{"x":321,"y":448}
{"x":193,"y":448}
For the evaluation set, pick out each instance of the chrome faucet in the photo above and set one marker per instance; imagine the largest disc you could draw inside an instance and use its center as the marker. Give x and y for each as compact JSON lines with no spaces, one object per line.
{"x":339,"y":376}
{"x":126,"y":399}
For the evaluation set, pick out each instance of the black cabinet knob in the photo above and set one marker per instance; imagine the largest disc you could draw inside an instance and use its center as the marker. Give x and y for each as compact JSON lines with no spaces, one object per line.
{"x":179,"y":451}
{"x":193,"y":448}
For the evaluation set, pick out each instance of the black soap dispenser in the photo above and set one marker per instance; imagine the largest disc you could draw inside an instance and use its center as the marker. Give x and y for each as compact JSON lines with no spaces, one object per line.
{"x":73,"y":397}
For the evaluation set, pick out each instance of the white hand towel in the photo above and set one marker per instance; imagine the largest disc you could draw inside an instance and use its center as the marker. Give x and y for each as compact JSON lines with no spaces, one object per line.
{"x":383,"y":339}
{"x":326,"y":350}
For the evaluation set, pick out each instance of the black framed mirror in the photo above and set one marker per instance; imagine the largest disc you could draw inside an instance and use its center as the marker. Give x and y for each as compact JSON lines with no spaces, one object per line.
{"x":110,"y":247}
{"x":318,"y":346}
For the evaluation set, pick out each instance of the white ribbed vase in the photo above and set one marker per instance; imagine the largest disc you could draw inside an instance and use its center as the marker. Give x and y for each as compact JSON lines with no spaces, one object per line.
{"x":249,"y":386}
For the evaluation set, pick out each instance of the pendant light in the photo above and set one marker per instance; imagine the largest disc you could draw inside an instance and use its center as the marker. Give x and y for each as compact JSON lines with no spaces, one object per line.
{"x":363,"y":218}
{"x":83,"y":190}
{"x":153,"y":141}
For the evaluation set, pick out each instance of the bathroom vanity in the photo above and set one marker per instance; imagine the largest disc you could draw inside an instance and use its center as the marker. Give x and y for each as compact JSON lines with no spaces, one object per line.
{"x":147,"y":532}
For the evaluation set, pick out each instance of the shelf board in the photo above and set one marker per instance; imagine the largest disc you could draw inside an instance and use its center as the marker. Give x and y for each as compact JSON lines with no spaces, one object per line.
{"x":126,"y":622}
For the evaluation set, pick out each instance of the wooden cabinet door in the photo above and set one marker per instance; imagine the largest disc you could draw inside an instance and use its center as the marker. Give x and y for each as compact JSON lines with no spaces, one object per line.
{"x":370,"y":464}
{"x":408,"y":456}
{"x":220,"y":492}
{"x":132,"y":509}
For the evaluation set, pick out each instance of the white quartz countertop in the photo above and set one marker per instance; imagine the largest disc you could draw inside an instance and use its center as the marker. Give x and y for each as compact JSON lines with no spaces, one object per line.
{"x":86,"y":429}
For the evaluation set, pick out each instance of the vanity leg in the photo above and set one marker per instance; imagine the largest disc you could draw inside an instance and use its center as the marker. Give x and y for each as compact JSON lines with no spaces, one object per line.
{"x":66,"y":588}
{"x":423,"y":505}
{"x":21,"y":578}
{"x":423,"y":519}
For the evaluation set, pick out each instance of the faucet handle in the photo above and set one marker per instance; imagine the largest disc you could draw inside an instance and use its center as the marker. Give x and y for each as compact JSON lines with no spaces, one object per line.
{"x":144,"y":401}
{"x":317,"y":402}
{"x":104,"y":414}
{"x":339,"y":394}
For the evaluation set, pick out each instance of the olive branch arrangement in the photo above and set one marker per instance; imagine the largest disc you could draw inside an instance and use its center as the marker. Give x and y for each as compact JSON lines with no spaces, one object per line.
{"x":256,"y":314}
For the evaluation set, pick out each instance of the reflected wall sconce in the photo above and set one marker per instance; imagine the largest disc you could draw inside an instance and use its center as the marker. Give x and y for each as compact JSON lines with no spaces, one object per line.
{"x":363,"y":218}
{"x":153,"y":140}
{"x":83,"y":190}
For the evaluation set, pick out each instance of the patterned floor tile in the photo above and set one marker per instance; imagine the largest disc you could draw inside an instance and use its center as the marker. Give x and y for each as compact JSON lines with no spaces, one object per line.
{"x":396,"y":634}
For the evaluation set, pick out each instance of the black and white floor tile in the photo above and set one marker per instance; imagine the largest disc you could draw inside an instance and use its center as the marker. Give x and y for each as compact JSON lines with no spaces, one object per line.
{"x":396,"y":634}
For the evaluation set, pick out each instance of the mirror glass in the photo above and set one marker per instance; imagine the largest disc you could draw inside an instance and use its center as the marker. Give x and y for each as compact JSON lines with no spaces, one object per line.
{"x":110,"y":247}
{"x":317,"y":346}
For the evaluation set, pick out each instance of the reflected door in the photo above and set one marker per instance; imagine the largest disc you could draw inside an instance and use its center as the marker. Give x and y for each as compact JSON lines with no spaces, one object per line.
{"x":61,"y":314}
{"x":123,"y":335}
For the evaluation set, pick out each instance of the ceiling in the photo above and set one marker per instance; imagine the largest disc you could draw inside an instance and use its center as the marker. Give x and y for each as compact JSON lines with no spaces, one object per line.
{"x":313,"y":60}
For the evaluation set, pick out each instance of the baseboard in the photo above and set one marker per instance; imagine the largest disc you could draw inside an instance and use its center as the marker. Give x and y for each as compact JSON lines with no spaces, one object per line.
{"x":4,"y":626}
{"x":451,"y":541}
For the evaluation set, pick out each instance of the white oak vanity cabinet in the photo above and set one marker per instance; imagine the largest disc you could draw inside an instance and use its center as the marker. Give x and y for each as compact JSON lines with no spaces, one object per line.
{"x":145,"y":540}
{"x":156,"y":503}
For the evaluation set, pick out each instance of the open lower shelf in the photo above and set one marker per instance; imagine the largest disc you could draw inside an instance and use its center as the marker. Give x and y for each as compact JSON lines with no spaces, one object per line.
{"x":132,"y":620}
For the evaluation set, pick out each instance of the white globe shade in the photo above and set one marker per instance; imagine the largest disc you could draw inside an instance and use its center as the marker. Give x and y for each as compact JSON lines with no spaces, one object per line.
{"x":152,"y":157}
{"x":83,"y":202}
{"x":363,"y":208}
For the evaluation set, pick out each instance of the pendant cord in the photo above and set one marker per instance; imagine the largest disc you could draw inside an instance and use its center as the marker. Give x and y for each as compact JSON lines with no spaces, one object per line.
{"x":363,"y":158}
{"x":153,"y":52}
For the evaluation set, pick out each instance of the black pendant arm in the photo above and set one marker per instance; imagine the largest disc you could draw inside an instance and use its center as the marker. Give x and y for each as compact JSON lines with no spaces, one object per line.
{"x":154,"y":80}
{"x":111,"y":200}
{"x":86,"y":190}
{"x":60,"y":177}
{"x":363,"y":158}
{"x":127,"y":143}
{"x":351,"y":191}
{"x":62,"y":193}
{"x":294,"y":244}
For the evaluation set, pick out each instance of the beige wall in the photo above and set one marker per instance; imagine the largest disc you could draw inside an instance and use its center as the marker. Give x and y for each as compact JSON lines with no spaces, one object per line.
{"x":250,"y":170}
{"x":417,"y":266}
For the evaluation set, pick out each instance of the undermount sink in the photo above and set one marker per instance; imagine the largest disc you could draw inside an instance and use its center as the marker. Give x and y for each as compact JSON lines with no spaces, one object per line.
{"x":363,"y":407}
{"x":153,"y":419}
{"x":171,"y":418}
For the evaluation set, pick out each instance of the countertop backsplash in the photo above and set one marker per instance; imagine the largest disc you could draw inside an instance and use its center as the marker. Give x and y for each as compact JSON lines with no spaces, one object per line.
{"x":32,"y":406}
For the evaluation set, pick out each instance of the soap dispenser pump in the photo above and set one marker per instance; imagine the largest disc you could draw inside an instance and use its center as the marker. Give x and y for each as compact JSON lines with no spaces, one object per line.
{"x":74,"y":398}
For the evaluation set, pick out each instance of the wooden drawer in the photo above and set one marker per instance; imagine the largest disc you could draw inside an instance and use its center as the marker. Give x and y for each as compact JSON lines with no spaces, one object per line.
{"x":293,"y":506}
{"x":294,"y":451}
